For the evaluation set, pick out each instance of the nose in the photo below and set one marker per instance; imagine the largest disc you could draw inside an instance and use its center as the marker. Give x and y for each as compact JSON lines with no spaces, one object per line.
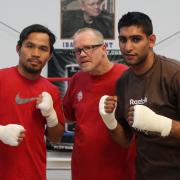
{"x":128,"y":46}
{"x":36,"y":52}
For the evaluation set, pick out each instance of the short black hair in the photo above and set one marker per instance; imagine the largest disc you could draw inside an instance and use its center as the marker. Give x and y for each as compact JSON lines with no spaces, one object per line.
{"x":138,"y":19}
{"x":37,"y":28}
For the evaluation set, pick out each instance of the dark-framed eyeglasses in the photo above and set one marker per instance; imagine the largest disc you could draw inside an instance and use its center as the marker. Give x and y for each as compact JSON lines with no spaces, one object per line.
{"x":86,"y":49}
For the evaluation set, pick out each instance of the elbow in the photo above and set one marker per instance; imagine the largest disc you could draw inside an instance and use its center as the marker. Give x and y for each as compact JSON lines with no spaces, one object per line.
{"x":55,"y":134}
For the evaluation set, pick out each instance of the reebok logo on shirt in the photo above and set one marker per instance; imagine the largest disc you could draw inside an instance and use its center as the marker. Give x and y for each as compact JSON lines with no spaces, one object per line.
{"x":140,"y":101}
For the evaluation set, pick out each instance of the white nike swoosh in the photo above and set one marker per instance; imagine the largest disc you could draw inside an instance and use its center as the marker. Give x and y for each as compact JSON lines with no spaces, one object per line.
{"x":20,"y":100}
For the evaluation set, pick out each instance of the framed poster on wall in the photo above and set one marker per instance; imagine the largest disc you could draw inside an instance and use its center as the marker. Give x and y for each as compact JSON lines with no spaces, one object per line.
{"x":97,"y":14}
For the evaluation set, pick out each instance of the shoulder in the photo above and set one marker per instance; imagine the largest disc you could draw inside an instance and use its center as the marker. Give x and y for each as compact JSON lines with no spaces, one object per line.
{"x":169,"y":66}
{"x":124,"y":77}
{"x":106,"y":16}
{"x":169,"y":61}
{"x":120,"y":66}
{"x":119,"y":69}
{"x":8,"y":69}
{"x":7,"y":72}
{"x":78,"y":77}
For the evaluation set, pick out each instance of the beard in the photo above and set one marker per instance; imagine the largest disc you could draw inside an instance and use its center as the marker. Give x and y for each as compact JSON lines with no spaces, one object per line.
{"x":32,"y":69}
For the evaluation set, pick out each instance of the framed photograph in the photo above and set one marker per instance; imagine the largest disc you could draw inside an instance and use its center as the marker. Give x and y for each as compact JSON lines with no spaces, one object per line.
{"x":97,"y":14}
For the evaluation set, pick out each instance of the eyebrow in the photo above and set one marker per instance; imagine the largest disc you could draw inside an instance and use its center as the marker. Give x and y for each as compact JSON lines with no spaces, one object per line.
{"x":135,"y":35}
{"x":37,"y":45}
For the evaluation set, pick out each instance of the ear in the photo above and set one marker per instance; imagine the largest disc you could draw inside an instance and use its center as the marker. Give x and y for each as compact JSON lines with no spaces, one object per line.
{"x":18,"y":49}
{"x":104,"y":46}
{"x":50,"y":57}
{"x":152,"y":40}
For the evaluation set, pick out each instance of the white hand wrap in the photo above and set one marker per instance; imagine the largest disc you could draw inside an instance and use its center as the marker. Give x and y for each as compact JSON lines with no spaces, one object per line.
{"x":10,"y":133}
{"x":146,"y":119}
{"x":108,"y":118}
{"x":47,"y":110}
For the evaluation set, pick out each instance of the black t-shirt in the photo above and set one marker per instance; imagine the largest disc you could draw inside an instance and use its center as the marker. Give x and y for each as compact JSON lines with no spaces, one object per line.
{"x":158,"y":89}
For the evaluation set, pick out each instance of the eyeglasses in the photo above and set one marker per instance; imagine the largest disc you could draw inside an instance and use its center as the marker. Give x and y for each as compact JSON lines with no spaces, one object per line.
{"x":86,"y":49}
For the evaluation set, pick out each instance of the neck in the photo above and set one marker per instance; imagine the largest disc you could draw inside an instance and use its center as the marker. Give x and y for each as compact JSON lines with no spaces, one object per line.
{"x":28,"y":75}
{"x":103,"y":68}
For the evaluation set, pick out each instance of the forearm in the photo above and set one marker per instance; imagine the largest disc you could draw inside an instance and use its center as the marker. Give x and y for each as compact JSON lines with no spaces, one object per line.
{"x":55,"y":130}
{"x":175,"y":129}
{"x":54,"y":134}
{"x":107,"y":107}
{"x":118,"y":134}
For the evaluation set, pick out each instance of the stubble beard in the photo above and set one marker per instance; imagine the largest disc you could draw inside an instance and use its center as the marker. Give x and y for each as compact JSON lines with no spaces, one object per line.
{"x":139,"y":61}
{"x":32,"y":70}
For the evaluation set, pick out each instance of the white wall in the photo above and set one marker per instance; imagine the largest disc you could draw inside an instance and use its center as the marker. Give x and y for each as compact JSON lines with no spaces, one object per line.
{"x":165,"y":17}
{"x":20,"y":13}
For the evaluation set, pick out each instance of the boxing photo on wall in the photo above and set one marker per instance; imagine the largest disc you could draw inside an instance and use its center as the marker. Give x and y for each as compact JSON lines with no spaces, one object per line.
{"x":97,"y":14}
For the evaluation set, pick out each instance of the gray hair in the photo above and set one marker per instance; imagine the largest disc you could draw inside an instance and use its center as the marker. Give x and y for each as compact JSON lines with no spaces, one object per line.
{"x":98,"y":34}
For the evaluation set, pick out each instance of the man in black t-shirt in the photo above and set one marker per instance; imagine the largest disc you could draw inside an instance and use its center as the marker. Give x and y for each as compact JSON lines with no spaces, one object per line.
{"x":148,"y":102}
